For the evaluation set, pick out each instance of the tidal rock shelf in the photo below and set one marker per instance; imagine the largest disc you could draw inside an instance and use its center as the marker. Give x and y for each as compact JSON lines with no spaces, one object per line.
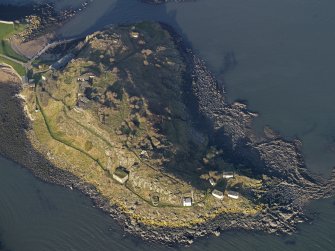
{"x":289,"y":184}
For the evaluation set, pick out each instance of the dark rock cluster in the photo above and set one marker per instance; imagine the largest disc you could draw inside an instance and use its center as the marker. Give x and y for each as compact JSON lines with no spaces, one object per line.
{"x":288,"y":183}
{"x":271,"y":155}
{"x":50,"y":18}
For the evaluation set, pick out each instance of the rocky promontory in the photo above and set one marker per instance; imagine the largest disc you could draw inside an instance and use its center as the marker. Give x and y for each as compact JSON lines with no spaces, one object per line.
{"x":128,"y":100}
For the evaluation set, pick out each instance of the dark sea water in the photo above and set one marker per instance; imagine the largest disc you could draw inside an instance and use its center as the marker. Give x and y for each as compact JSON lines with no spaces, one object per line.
{"x":279,"y":56}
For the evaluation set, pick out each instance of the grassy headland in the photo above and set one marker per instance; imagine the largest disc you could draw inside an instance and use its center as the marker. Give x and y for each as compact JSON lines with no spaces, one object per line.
{"x":118,"y":102}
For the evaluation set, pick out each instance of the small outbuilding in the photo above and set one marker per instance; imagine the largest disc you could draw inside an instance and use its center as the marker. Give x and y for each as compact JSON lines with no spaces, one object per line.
{"x":121,"y":175}
{"x":187,"y":202}
{"x":217,"y":194}
{"x":144,"y":154}
{"x":233,"y":194}
{"x":228,"y":175}
{"x":134,"y":34}
{"x":212,"y":182}
{"x":62,"y":62}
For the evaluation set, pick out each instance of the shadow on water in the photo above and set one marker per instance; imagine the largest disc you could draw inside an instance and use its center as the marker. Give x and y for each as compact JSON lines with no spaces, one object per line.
{"x":2,"y":244}
{"x":119,"y":12}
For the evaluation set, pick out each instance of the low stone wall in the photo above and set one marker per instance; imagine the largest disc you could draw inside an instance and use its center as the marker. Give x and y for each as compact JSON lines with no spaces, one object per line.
{"x":6,"y":22}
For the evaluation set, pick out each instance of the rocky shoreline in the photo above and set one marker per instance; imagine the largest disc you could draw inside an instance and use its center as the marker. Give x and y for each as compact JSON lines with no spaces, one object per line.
{"x":43,"y":17}
{"x":289,"y":184}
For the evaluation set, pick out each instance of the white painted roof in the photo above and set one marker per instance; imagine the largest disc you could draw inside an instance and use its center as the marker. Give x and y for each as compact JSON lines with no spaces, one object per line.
{"x":187,"y":202}
{"x":217,"y":194}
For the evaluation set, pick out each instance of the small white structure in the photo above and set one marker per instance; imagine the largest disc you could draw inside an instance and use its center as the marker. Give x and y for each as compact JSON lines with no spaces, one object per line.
{"x":120,"y":175}
{"x":212,"y":182}
{"x":6,"y":22}
{"x":187,"y":202}
{"x":233,"y":194}
{"x":144,"y":154}
{"x":134,"y":34}
{"x":217,"y":194}
{"x":228,"y":175}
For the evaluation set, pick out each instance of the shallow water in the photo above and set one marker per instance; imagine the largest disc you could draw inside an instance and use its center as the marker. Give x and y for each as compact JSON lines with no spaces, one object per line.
{"x":277,"y":55}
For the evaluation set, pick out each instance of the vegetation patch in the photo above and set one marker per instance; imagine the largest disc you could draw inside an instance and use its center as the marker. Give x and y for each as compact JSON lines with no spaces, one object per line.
{"x":17,"y":67}
{"x":7,"y":30}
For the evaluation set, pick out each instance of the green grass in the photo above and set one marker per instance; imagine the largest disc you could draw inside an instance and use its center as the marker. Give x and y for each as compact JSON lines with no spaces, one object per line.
{"x":17,"y":67}
{"x":9,"y":29}
{"x":5,"y":31}
{"x":58,"y":136}
{"x":7,"y":50}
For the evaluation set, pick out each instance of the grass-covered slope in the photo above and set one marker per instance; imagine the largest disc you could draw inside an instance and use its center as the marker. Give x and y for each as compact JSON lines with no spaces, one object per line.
{"x":6,"y":51}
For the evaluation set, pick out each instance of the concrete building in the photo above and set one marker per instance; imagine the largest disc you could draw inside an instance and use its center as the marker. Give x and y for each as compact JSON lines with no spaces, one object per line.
{"x":134,"y":34}
{"x":62,"y":62}
{"x":217,"y":194}
{"x":121,"y":175}
{"x":144,"y":154}
{"x":212,"y":182}
{"x":233,"y":194}
{"x":187,"y":202}
{"x":6,"y":22}
{"x":228,"y":175}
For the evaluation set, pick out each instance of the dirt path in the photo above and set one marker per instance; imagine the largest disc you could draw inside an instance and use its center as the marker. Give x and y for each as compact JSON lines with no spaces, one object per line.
{"x":8,"y":74}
